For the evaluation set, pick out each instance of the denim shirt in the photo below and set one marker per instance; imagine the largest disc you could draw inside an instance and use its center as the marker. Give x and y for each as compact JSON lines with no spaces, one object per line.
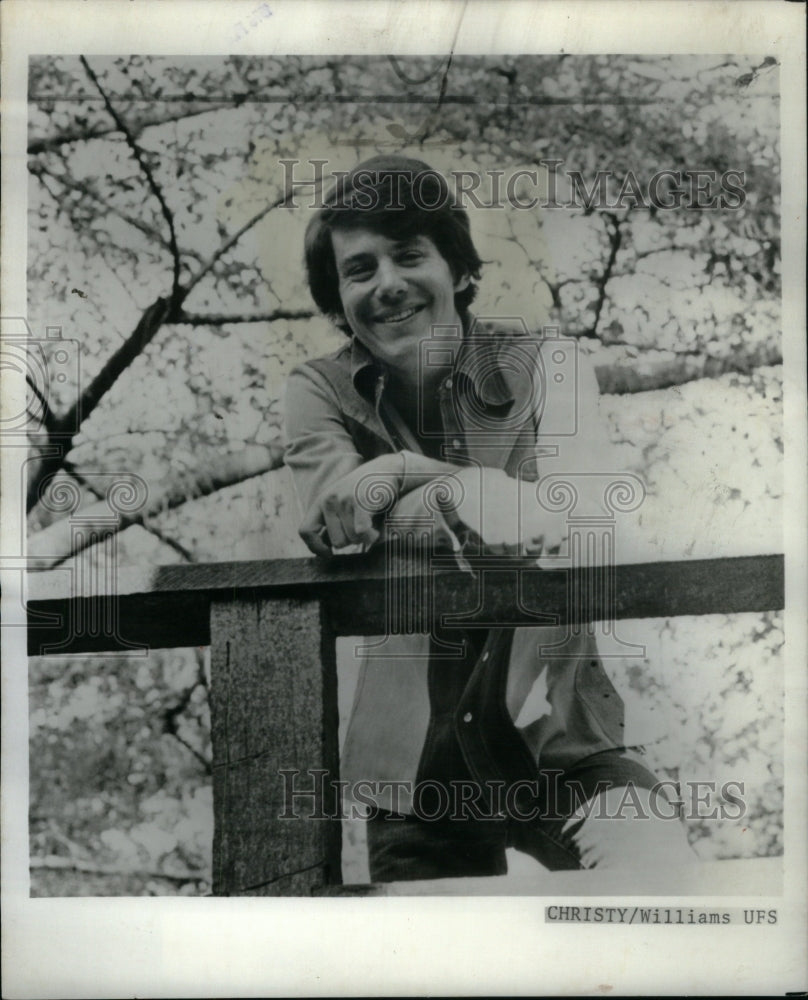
{"x":453,"y":705}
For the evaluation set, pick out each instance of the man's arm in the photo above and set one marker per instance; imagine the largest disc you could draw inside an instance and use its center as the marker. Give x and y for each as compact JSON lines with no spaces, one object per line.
{"x":340,"y":493}
{"x":485,"y":504}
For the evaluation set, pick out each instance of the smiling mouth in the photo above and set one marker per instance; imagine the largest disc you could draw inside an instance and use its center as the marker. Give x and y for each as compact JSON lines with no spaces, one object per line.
{"x":399,"y":317}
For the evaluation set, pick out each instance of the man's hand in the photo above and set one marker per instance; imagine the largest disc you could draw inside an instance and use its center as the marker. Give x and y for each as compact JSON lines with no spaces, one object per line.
{"x":344,"y":514}
{"x":504,"y":513}
{"x":416,"y":512}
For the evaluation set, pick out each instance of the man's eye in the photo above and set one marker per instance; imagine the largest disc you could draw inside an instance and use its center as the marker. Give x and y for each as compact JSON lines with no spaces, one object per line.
{"x":359,"y":271}
{"x":411,"y":256}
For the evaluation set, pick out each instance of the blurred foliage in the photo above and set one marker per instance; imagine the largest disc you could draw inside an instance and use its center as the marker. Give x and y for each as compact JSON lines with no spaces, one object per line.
{"x":679,"y":309}
{"x":120,"y":774}
{"x":713,"y":688}
{"x":632,"y":283}
{"x":120,"y":756}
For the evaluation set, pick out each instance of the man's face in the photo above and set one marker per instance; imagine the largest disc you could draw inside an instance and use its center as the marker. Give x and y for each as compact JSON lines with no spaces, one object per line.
{"x":394,"y":292}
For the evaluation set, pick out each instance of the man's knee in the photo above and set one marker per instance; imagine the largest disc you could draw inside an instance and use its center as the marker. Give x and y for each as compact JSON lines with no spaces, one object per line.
{"x":629,"y":826}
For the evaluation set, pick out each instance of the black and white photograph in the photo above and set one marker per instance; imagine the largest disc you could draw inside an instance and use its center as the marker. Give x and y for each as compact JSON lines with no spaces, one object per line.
{"x":404,"y":483}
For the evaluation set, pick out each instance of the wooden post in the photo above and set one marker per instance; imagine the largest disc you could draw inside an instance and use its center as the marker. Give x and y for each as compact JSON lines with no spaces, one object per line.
{"x":273,"y":709}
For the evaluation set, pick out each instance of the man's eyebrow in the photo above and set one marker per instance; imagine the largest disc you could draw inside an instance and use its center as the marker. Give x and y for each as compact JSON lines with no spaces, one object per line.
{"x":361,"y":255}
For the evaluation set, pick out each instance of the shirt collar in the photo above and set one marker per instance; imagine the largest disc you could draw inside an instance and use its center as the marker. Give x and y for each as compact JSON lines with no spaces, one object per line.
{"x":477,"y":362}
{"x":365,"y":369}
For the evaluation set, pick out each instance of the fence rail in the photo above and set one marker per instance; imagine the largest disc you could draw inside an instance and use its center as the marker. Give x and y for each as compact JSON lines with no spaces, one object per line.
{"x":169,"y":606}
{"x":272,"y":626}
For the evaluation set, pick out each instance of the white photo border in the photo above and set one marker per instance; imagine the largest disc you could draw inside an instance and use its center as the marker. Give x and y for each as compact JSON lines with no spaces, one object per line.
{"x":186,"y":947}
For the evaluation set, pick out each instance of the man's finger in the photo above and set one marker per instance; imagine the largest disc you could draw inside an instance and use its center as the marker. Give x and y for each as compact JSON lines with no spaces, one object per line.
{"x":313,"y":532}
{"x":363,"y":528}
{"x":317,"y":540}
{"x":351,"y":522}
{"x":333,"y":523}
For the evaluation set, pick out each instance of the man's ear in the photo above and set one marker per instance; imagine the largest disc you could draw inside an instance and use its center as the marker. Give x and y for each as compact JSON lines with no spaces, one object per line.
{"x":462,"y":283}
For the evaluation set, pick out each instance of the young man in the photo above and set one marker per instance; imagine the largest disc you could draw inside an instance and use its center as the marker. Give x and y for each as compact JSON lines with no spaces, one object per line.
{"x":427,"y":416}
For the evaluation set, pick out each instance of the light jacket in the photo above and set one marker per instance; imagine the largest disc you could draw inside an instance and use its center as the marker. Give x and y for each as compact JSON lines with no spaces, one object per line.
{"x":500,"y":710}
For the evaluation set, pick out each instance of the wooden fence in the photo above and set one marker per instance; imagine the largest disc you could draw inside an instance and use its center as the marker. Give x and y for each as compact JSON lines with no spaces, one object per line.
{"x":272,"y":626}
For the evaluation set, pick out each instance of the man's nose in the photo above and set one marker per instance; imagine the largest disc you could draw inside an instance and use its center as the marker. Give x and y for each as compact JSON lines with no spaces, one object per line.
{"x":391,"y":284}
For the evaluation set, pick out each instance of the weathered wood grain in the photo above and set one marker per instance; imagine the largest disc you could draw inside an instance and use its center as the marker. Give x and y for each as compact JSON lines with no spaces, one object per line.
{"x":273,"y":708}
{"x":170,"y":606}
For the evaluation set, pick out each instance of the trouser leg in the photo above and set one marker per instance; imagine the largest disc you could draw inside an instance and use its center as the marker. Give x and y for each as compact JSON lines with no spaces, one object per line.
{"x":604,"y":812}
{"x":401,"y":848}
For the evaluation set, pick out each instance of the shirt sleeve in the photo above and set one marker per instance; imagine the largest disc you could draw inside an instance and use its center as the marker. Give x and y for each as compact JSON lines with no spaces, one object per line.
{"x":319,"y":447}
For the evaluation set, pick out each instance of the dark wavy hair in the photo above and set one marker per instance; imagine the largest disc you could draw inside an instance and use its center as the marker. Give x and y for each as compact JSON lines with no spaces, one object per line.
{"x":400,"y":198}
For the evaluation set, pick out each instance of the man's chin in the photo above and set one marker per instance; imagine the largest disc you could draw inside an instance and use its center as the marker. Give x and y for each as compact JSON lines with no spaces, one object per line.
{"x":411,"y":332}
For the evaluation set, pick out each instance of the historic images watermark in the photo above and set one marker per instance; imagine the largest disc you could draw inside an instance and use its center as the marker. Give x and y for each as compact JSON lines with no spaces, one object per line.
{"x":565,"y":520}
{"x":548,"y":185}
{"x":94,"y":505}
{"x":305,"y":794}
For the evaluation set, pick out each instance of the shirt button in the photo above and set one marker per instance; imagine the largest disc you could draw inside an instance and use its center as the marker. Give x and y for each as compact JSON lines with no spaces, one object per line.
{"x":467,"y":717}
{"x":485,"y":657}
{"x":448,"y":383}
{"x":455,"y":442}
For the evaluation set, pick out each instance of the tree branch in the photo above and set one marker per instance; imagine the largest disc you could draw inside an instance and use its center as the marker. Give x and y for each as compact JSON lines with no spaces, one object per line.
{"x":223,"y":319}
{"x":206,"y":764}
{"x":150,"y":322}
{"x":161,"y":311}
{"x":615,"y":239}
{"x":231,"y":242}
{"x":55,"y":544}
{"x":71,"y":470}
{"x":48,"y":419}
{"x":40,"y":171}
{"x":50,"y":143}
{"x":618,"y":379}
{"x":66,"y":426}
{"x":144,"y":166}
{"x":170,"y":725}
{"x":172,"y":543}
